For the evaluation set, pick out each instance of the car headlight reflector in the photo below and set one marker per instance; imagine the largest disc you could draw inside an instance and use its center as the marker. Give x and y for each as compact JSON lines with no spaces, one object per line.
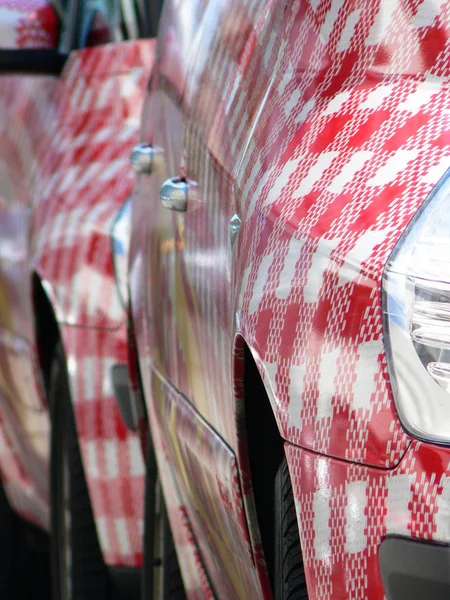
{"x":416,"y":305}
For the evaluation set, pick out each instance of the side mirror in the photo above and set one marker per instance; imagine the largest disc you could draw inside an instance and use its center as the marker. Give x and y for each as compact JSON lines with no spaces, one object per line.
{"x":29,"y":34}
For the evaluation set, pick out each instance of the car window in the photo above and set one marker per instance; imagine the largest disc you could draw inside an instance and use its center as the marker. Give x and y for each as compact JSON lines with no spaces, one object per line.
{"x":60,"y":7}
{"x":67,"y":11}
{"x":86,"y":23}
{"x":99,"y":22}
{"x":140,"y":18}
{"x":154,"y":7}
{"x":105,"y":21}
{"x":130,"y":21}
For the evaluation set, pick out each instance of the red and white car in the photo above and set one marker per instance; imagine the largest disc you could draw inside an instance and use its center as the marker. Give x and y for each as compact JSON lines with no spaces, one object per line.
{"x":69,"y":460}
{"x":290,"y":294}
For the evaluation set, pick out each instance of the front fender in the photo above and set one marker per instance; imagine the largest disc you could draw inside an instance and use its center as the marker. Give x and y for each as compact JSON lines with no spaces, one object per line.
{"x":320,"y":219}
{"x":91,"y":135}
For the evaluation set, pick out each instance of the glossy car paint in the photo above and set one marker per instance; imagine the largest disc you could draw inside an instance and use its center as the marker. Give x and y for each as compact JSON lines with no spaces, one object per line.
{"x":214,"y":524}
{"x":348,"y":509}
{"x":64,"y":176}
{"x":23,"y":102}
{"x":195,"y":579}
{"x":27,"y":24}
{"x":323,"y":125}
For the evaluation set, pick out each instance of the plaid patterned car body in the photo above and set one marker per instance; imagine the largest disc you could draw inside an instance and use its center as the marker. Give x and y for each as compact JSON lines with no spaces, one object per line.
{"x":324,"y":125}
{"x":348,"y":509}
{"x":64,"y":175}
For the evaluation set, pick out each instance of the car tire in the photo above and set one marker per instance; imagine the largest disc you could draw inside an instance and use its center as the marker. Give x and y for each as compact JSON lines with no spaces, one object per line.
{"x":161,"y":575}
{"x":9,"y":548}
{"x":78,"y":569}
{"x":23,"y":549}
{"x":289,"y":572}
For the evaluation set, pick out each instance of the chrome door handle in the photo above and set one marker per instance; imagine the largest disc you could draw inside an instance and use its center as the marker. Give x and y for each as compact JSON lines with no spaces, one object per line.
{"x":143,"y":157}
{"x":173,"y":194}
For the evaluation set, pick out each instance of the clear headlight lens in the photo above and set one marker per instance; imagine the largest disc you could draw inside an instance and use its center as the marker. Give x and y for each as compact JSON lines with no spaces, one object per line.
{"x":416,"y":304}
{"x":120,"y":237}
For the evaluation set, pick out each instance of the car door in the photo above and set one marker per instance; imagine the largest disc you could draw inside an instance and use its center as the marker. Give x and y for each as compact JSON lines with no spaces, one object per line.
{"x":200,"y":134}
{"x":227,"y":87}
{"x":200,"y":110}
{"x":156,"y":234}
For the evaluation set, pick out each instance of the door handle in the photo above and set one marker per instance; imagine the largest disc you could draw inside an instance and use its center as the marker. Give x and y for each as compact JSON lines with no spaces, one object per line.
{"x":173,"y":194}
{"x":143,"y":158}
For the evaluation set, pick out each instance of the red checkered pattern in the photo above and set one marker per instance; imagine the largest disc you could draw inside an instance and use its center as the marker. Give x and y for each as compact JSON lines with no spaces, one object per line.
{"x":193,"y":571}
{"x":65,"y":153}
{"x":223,"y":95}
{"x":88,"y":181}
{"x":323,"y":200}
{"x":323,"y":124}
{"x":25,"y":105}
{"x":27,"y":24}
{"x":206,"y":472}
{"x":112,"y":455}
{"x":328,"y":173}
{"x":346,"y":510}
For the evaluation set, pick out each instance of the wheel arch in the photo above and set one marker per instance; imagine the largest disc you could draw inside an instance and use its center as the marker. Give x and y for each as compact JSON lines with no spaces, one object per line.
{"x":47,"y":332}
{"x":260,"y":452}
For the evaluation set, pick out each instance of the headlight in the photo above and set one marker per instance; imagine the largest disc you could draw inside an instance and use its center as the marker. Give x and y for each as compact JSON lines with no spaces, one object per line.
{"x":416,"y":305}
{"x":120,"y":237}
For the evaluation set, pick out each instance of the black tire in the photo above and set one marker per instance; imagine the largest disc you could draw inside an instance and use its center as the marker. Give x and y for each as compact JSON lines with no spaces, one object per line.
{"x":9,"y":548}
{"x":290,"y":581}
{"x":23,"y":549}
{"x":84,"y":566}
{"x":163,"y":565}
{"x":172,"y":580}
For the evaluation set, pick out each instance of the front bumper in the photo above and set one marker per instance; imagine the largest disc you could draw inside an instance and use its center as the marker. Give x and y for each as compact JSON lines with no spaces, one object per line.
{"x":346,"y":511}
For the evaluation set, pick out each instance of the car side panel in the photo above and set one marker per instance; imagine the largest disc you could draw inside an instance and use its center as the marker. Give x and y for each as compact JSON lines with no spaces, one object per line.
{"x":294,"y":123}
{"x":227,"y":83}
{"x":195,"y":579}
{"x":25,"y":481}
{"x":153,"y":255}
{"x":347,"y":144}
{"x":25,"y":430}
{"x":352,"y":138}
{"x":86,"y":179}
{"x":207,"y":478}
{"x":73,"y":218}
{"x":81,"y":177}
{"x":27,"y":104}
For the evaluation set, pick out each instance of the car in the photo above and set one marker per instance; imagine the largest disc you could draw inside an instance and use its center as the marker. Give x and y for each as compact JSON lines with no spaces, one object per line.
{"x":72,"y":83}
{"x":289,"y":294}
